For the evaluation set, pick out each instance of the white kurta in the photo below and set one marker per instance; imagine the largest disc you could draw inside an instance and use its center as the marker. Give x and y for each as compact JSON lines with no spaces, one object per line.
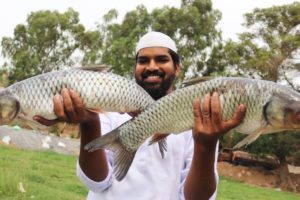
{"x":150,"y":176}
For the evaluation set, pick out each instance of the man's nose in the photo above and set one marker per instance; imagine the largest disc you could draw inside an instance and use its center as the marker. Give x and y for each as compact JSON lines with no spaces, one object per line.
{"x":152,"y":65}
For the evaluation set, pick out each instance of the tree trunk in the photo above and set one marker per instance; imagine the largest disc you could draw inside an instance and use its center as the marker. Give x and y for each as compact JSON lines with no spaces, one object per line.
{"x":284,"y":179}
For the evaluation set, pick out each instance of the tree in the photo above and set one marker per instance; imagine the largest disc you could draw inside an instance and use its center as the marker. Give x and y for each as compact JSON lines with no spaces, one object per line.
{"x":268,"y":51}
{"x":47,"y":42}
{"x":192,"y":26}
{"x":270,"y":48}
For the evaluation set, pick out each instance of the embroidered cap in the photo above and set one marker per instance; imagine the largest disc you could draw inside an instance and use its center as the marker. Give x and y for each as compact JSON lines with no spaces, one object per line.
{"x":155,"y":39}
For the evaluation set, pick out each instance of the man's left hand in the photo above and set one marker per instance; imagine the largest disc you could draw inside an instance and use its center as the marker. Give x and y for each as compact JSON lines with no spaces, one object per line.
{"x":208,"y":123}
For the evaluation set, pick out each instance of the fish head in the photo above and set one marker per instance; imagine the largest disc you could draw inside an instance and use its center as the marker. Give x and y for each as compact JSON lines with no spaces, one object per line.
{"x":9,"y":108}
{"x":282,"y":112}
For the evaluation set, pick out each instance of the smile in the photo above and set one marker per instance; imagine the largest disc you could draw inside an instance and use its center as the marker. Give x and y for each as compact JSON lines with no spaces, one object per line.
{"x":152,"y":79}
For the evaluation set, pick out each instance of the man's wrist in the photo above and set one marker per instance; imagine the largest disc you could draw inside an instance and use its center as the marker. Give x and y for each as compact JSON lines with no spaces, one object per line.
{"x":206,"y":146}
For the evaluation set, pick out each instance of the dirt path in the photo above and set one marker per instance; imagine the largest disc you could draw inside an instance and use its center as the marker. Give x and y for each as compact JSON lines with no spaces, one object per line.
{"x":28,"y":139}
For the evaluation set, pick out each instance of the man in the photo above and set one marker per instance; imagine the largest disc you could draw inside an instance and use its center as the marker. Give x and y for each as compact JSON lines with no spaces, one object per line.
{"x":188,"y":170}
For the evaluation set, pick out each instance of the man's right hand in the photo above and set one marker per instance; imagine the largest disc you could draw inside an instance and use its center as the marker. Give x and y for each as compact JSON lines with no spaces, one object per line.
{"x":68,"y":107}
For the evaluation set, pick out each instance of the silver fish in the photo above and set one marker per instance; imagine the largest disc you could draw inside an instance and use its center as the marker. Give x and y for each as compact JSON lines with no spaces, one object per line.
{"x":99,"y":89}
{"x":270,"y":108}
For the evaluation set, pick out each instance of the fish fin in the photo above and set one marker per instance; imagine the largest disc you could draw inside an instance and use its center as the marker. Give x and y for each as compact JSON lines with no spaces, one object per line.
{"x":122,"y":156}
{"x":34,"y":125}
{"x":96,"y":67}
{"x":249,"y":139}
{"x":194,"y":81}
{"x":94,"y":110}
{"x":161,"y":139}
{"x":163,"y":147}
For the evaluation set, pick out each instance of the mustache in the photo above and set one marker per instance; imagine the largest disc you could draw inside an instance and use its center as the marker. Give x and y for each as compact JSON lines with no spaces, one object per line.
{"x":147,"y":73}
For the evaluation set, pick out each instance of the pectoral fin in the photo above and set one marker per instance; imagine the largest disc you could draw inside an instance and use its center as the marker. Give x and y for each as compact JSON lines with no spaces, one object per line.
{"x":249,"y":139}
{"x":94,"y":110}
{"x":32,"y":124}
{"x":161,"y":139}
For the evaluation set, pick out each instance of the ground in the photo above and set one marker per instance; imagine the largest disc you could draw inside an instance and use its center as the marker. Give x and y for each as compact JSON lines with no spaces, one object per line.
{"x":255,"y":175}
{"x":33,"y":140}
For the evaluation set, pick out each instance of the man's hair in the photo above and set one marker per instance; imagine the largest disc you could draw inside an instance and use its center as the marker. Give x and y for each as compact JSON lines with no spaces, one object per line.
{"x":175,"y":57}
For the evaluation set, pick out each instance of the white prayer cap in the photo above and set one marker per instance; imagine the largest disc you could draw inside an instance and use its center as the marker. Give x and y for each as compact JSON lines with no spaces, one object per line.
{"x":155,"y":39}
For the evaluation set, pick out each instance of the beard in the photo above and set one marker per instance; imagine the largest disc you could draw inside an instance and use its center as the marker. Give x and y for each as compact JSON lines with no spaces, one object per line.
{"x":156,"y":90}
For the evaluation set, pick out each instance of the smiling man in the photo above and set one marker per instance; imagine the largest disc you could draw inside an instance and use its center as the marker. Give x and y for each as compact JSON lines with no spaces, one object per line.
{"x":156,"y":66}
{"x":188,"y":169}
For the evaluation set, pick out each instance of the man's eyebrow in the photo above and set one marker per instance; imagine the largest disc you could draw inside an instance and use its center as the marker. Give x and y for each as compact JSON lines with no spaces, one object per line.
{"x":142,"y":57}
{"x":162,"y":56}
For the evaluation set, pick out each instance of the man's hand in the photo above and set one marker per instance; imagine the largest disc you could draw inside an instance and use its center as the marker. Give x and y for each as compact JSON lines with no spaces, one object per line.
{"x":68,"y":107}
{"x":208,"y":123}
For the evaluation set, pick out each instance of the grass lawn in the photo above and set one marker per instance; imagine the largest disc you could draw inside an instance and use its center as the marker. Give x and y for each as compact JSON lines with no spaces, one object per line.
{"x":44,"y":175}
{"x":47,"y":175}
{"x":229,"y":189}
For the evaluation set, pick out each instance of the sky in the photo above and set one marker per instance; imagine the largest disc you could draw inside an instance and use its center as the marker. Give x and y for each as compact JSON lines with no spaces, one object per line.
{"x":14,"y":12}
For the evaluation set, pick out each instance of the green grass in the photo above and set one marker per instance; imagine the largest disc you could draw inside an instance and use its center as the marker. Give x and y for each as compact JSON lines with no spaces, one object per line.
{"x":44,"y":175}
{"x":234,"y":190}
{"x":47,"y":175}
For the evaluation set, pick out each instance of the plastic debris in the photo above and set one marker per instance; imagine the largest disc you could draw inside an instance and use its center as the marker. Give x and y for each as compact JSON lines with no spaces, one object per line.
{"x":16,"y":127}
{"x":6,"y":139}
{"x":21,"y":188}
{"x":47,"y":139}
{"x":61,"y":144}
{"x":45,"y":145}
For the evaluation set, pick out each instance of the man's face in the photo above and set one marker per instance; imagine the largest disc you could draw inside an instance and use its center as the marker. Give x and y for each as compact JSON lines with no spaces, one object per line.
{"x":155,"y":71}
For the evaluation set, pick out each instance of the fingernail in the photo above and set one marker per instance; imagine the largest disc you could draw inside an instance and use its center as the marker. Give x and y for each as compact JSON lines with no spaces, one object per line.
{"x":72,"y":91}
{"x":242,"y":108}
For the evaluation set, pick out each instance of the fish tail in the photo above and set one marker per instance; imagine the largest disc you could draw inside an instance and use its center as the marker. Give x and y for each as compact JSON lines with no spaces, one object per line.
{"x":123,"y":157}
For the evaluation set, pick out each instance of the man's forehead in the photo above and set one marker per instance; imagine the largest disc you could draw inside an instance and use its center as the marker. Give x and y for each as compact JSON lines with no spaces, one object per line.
{"x":154,"y":51}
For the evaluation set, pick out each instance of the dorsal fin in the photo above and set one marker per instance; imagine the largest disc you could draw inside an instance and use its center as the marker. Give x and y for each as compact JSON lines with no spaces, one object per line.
{"x":196,"y":80}
{"x":96,"y":67}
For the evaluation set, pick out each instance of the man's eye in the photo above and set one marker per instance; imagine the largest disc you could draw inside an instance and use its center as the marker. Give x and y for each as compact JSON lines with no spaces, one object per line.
{"x":142,"y":61}
{"x":163,"y":60}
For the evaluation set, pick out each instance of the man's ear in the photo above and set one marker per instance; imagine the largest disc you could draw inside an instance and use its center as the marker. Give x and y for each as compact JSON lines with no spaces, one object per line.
{"x":177,"y":70}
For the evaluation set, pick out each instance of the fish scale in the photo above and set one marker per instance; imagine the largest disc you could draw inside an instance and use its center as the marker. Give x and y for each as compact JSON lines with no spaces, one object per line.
{"x":98,"y":89}
{"x":270,"y":108}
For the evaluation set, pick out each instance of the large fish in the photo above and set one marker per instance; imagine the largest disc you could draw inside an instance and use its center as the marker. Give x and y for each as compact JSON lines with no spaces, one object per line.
{"x":270,"y":108}
{"x":99,"y":89}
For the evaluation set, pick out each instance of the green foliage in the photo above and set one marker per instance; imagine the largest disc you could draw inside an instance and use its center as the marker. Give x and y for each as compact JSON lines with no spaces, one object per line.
{"x":192,"y":26}
{"x":46,"y":42}
{"x":283,"y":144}
{"x":49,"y":39}
{"x":272,"y":42}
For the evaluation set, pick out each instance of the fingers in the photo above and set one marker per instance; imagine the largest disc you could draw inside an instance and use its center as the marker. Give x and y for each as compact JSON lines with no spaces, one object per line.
{"x":44,"y":121}
{"x":216,"y":110}
{"x":206,"y":111}
{"x":197,"y":112}
{"x":68,"y":104}
{"x":77,"y":102}
{"x":237,"y":118}
{"x":59,"y":107}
